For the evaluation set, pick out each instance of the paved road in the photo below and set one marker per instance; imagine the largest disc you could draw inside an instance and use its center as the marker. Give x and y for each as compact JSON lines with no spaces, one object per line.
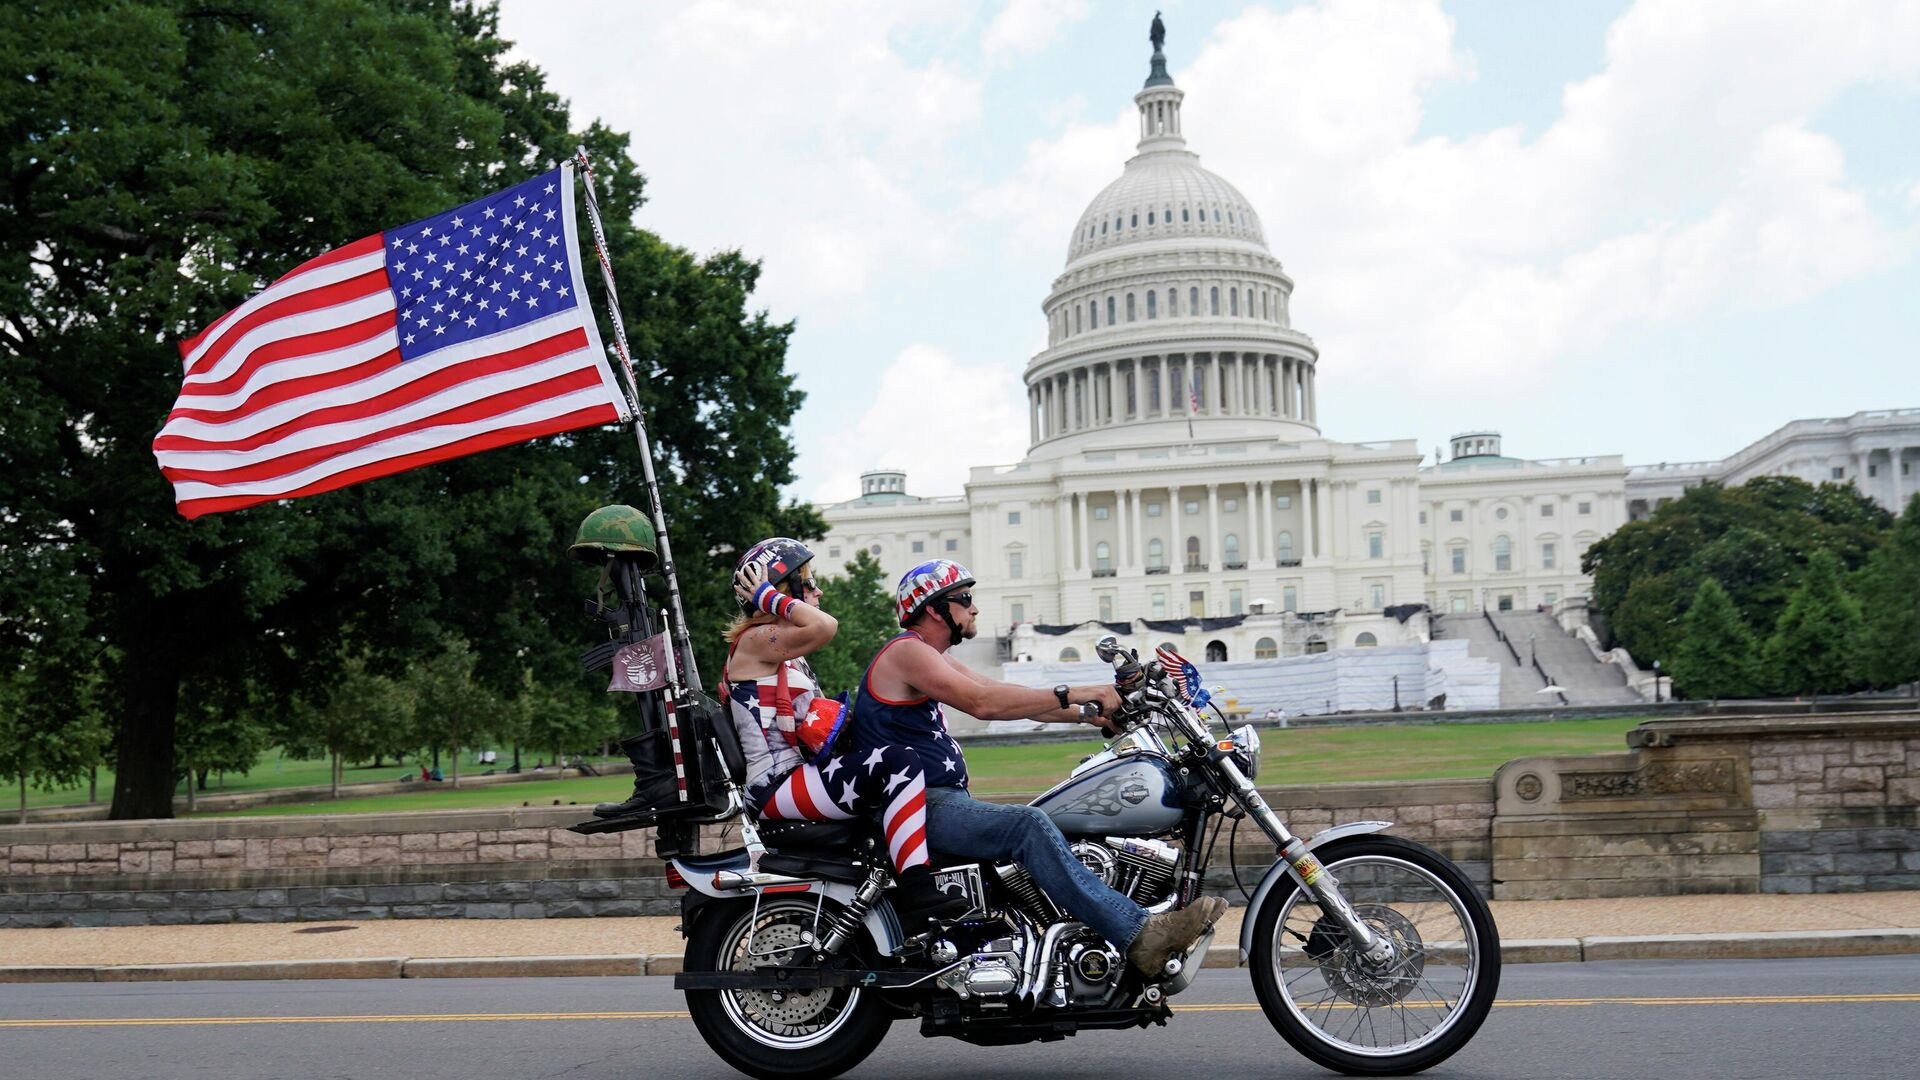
{"x":1736,"y":1019}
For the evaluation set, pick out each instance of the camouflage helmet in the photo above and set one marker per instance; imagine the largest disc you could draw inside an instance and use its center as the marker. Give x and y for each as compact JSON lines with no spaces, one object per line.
{"x":616,"y":530}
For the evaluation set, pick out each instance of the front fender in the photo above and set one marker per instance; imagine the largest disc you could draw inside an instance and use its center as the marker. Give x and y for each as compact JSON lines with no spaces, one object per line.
{"x":1282,"y":869}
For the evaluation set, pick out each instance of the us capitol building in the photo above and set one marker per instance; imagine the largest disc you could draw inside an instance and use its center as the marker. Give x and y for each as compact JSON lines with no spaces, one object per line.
{"x":1177,"y":472}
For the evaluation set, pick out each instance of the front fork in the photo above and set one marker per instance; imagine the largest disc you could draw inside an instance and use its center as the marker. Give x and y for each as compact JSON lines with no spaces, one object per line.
{"x":1375,"y":949}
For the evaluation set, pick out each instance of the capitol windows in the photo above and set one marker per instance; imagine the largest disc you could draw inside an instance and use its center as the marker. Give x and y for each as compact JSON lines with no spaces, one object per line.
{"x":1193,"y":506}
{"x":1069,"y":655}
{"x":1156,"y":554}
{"x":1184,"y":215}
{"x":1197,"y":604}
{"x":1285,"y":544}
{"x":1365,"y":641}
{"x":1111,"y":306}
{"x":1282,"y":502}
{"x":1193,"y":553}
{"x":1455,"y":515}
{"x":1102,"y":513}
{"x":1193,"y":300}
{"x":919,"y":546}
{"x":1502,"y":553}
{"x":1153,"y":509}
{"x":1377,"y":596}
{"x":833,"y":553}
{"x":1103,"y":228}
{"x":1373,"y":496}
{"x":1426,"y":560}
{"x":953,"y":545}
{"x":1134,"y":222}
{"x":874,"y":551}
{"x":1016,"y":563}
{"x":1249,"y":303}
{"x":1550,"y":597}
{"x":1230,"y":505}
{"x":1157,"y":603}
{"x":1153,"y":304}
{"x":1266,"y":649}
{"x":1376,"y":544}
{"x":1546,"y":510}
{"x":1233,"y":549}
{"x":1017,"y":611}
{"x":1423,"y":517}
{"x":1013,"y":517}
{"x":1839,"y":472}
{"x":1459,"y":559}
{"x":1093,"y":314}
{"x":1290,"y":598}
{"x":1546,"y":556}
{"x":1235,"y":605}
{"x":1585,"y":508}
{"x":1233,"y":301}
{"x":1106,"y":607}
{"x":1213,"y":299}
{"x":1149,"y":217}
{"x":1130,"y":315}
{"x":1216,"y":215}
{"x":1500,"y":514}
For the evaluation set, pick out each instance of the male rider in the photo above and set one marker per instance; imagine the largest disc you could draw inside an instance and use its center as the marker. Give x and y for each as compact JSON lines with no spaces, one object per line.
{"x":899,"y":704}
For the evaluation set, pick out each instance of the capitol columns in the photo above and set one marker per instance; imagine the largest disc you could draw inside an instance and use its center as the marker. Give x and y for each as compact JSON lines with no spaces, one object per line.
{"x":1033,"y":415}
{"x":1063,"y":525}
{"x":1216,"y":553}
{"x":1262,"y":496}
{"x":1113,"y":391}
{"x":1309,"y":539}
{"x":1083,"y":551}
{"x":1139,"y":530}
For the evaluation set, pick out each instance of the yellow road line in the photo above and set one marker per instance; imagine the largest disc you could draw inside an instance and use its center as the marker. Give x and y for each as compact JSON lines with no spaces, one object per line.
{"x":454,"y":1018}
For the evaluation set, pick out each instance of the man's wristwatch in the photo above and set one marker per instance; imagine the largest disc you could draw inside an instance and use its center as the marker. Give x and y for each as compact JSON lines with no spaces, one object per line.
{"x":1060,"y":692}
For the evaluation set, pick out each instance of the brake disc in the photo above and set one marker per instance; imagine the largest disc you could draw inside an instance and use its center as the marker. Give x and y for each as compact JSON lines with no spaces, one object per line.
{"x":788,"y":1008}
{"x":1352,"y":978}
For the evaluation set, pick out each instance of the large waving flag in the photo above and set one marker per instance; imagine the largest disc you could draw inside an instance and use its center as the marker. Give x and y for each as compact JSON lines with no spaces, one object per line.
{"x":456,"y":334}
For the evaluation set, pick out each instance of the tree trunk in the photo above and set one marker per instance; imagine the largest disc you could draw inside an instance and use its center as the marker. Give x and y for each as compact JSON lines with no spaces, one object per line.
{"x":93,"y":785}
{"x":191,"y":804}
{"x":456,"y":764}
{"x":516,"y":757}
{"x":335,"y":774}
{"x":377,"y":760}
{"x":201,"y":777}
{"x":23,"y":798}
{"x":144,"y":770}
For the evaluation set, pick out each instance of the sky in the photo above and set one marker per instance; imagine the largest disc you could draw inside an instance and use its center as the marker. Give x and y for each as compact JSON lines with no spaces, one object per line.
{"x":1658,"y":228}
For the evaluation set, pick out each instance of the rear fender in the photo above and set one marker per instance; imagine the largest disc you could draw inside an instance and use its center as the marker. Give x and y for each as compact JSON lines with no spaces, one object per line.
{"x":1281,"y":869}
{"x":882,"y":922}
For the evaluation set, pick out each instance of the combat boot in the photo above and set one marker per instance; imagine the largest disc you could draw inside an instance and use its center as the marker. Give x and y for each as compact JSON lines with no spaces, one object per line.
{"x":1172,"y":932}
{"x":652,"y":785}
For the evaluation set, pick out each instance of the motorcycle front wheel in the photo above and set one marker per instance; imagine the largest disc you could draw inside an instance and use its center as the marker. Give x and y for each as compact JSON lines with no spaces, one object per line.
{"x":1408,"y":1014}
{"x":777,"y":1033}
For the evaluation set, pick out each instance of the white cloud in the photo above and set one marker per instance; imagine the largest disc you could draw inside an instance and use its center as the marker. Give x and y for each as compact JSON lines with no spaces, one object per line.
{"x":931,"y":415}
{"x":798,"y":133}
{"x":1685,"y":178}
{"x":1025,"y":26}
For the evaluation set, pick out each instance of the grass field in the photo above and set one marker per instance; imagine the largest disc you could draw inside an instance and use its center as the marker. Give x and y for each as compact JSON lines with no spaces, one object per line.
{"x":1301,"y":756}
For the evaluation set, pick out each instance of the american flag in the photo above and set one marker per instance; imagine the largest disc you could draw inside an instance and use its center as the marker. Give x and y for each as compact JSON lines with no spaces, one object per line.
{"x":1193,"y":392}
{"x":456,"y":334}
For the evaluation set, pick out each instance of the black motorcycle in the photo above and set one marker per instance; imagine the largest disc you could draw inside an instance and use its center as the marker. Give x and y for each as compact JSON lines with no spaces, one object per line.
{"x":1372,"y":955}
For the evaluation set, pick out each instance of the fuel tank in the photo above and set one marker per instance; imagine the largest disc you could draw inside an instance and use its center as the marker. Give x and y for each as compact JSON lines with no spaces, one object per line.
{"x":1109,"y":795}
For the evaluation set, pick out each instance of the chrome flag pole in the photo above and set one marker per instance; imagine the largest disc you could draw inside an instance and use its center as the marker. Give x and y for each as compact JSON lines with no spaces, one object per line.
{"x":640,"y":431}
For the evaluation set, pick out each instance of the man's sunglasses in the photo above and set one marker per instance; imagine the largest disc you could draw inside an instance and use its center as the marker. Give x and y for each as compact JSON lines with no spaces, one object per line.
{"x":964,"y":599}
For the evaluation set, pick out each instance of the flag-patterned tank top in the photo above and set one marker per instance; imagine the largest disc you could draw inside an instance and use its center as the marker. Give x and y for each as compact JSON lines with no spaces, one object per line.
{"x":918,"y":724}
{"x":763,"y":712}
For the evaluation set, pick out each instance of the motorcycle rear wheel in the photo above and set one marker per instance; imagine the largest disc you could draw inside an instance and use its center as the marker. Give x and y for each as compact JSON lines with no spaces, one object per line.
{"x":1413,"y":1014}
{"x":777,"y":1035}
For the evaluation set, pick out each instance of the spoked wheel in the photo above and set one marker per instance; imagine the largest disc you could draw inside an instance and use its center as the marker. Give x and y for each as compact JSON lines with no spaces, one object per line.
{"x":777,"y":1033}
{"x":1411,"y":1012}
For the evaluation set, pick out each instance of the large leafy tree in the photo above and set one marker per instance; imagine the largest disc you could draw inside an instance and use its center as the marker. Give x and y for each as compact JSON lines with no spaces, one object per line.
{"x":863,"y":604}
{"x":1889,"y":591}
{"x":1755,"y":540}
{"x":165,"y":161}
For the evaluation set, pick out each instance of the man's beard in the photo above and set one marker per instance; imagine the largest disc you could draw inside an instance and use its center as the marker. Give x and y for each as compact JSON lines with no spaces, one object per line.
{"x":969,"y":632}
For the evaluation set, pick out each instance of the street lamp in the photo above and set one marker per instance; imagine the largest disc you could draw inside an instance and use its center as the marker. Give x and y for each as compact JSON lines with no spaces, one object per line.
{"x":1656,"y":682}
{"x":1532,"y":657}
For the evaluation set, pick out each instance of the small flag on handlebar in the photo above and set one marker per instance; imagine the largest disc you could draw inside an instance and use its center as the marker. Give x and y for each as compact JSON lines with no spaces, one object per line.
{"x":1186,"y":677}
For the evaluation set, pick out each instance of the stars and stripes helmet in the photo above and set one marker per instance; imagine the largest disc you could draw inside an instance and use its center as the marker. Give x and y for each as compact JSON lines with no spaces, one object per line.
{"x":780,"y":556}
{"x":928,"y":582}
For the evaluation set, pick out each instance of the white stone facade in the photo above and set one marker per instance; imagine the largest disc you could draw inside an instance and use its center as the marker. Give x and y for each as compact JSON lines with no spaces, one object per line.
{"x":1878,"y":452}
{"x":1177,"y":471}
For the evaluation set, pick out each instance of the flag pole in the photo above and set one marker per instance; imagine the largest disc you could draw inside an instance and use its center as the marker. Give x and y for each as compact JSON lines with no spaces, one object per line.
{"x":640,"y":431}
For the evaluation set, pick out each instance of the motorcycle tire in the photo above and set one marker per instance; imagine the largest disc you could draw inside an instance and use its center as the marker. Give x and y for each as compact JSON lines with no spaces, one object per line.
{"x":742,"y":1028}
{"x":1352,"y":858}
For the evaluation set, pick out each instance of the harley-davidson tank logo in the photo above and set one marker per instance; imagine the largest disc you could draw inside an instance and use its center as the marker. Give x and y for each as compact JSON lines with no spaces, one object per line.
{"x":1134,"y":792}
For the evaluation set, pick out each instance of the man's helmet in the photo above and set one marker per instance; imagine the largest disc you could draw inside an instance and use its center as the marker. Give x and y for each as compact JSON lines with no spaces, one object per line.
{"x":780,"y":556}
{"x":926,"y":583}
{"x":616,"y":530}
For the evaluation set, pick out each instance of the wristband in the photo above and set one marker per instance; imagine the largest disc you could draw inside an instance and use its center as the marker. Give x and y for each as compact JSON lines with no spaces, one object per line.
{"x":772,"y":601}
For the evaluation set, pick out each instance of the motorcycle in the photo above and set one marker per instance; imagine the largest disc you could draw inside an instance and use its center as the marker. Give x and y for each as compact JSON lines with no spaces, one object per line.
{"x":1370,"y":954}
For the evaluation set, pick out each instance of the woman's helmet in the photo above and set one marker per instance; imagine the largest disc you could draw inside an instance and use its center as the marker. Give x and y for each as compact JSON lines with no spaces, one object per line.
{"x":926,"y":583}
{"x":780,"y":556}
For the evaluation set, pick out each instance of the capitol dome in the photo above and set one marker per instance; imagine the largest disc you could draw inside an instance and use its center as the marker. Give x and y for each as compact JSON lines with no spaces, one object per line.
{"x":1170,"y":321}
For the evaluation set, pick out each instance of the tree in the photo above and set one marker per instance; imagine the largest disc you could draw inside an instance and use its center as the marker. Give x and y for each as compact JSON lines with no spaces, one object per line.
{"x":451,"y":708}
{"x":361,"y":713}
{"x":169,"y":161}
{"x":1755,"y":540}
{"x":863,"y":604}
{"x":1716,"y":654}
{"x":44,"y":738}
{"x":1816,"y":647}
{"x":1889,"y":591}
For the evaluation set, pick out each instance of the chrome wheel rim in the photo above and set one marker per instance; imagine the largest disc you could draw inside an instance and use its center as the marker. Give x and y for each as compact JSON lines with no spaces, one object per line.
{"x":781,"y":1019}
{"x":1378,"y":1012}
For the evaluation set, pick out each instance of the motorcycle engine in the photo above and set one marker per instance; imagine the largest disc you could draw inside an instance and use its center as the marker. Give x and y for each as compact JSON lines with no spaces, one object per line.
{"x":1142,"y":870}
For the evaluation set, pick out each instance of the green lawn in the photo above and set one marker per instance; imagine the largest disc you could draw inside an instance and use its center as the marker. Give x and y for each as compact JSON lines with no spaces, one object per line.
{"x":1300,"y":756}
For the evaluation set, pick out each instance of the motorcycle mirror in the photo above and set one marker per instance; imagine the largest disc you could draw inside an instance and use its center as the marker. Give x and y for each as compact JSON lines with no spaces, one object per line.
{"x":1107,"y":648}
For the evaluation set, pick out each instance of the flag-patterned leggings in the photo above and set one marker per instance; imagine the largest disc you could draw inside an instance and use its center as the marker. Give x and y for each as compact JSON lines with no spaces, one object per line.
{"x":857,"y":783}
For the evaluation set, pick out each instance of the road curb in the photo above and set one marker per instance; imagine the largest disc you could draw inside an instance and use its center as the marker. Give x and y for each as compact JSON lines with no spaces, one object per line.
{"x":1777,"y":945}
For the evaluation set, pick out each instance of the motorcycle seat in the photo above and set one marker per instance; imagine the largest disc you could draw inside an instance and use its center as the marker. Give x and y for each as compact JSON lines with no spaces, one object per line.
{"x":810,"y":835}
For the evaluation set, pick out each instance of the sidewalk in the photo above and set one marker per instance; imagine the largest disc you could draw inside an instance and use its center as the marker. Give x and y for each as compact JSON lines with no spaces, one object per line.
{"x":1671,"y":927}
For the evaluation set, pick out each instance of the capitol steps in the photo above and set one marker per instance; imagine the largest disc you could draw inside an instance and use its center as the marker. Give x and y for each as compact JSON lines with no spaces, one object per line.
{"x":1519,"y":683}
{"x":1566,"y":660}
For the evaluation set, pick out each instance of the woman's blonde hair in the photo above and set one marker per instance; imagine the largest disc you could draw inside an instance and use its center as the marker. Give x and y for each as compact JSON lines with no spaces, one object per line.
{"x":743,"y":623}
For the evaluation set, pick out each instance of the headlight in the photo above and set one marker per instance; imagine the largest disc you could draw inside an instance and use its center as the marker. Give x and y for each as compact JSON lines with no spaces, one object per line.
{"x":1246,"y":749}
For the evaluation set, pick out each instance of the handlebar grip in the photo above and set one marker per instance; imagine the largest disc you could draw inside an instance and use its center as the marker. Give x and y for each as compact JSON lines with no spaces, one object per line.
{"x":1089,"y":709}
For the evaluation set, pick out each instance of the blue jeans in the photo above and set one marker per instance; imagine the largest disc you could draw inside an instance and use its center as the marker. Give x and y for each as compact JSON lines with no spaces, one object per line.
{"x":959,"y":824}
